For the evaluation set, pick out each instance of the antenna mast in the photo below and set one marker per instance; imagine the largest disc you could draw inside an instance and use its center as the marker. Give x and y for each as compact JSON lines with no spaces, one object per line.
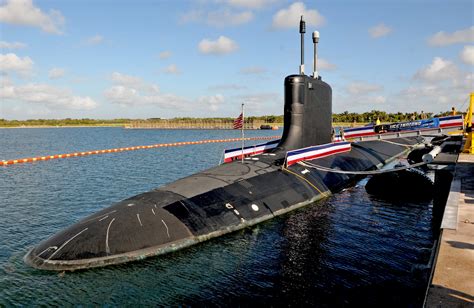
{"x":302,"y":32}
{"x":315,"y":42}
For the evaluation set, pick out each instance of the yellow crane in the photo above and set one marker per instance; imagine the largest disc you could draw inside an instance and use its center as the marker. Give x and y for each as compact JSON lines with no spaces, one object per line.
{"x":469,"y":145}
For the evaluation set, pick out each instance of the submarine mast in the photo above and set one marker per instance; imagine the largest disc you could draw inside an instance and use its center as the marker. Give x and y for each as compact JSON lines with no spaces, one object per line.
{"x":308,"y":105}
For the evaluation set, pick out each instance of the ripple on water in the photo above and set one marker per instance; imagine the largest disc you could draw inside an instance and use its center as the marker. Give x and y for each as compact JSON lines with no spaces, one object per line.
{"x":348,"y":249}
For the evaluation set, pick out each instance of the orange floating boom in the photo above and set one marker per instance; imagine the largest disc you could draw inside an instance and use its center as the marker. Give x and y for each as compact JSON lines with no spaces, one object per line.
{"x":141,"y":147}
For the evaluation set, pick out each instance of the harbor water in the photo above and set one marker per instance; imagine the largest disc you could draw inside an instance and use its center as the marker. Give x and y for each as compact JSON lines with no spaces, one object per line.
{"x":348,"y":249}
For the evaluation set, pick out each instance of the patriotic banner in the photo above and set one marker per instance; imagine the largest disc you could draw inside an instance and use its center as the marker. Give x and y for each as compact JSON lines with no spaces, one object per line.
{"x":442,"y":122}
{"x":451,"y":121}
{"x":318,"y":151}
{"x":234,"y":154}
{"x":239,"y":121}
{"x":411,"y":125}
{"x":359,"y":132}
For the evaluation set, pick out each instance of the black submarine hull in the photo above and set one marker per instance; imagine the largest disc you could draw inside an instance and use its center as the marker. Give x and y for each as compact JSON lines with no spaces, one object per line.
{"x":205,"y":205}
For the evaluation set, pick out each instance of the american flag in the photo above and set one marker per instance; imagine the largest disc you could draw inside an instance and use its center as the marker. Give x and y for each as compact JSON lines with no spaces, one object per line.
{"x":238,"y":122}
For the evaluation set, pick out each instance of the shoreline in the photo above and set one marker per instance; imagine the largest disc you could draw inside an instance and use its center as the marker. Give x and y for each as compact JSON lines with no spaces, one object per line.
{"x":126,"y":126}
{"x":61,"y":126}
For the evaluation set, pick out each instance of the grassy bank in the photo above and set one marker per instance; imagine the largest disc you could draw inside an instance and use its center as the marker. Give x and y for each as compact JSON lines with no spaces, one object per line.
{"x":62,"y":123}
{"x":339,"y":119}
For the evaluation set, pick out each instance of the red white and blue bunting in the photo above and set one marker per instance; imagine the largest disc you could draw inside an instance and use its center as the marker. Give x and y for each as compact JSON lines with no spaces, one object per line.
{"x":419,"y":125}
{"x":318,"y":151}
{"x":451,"y":121}
{"x":234,"y":154}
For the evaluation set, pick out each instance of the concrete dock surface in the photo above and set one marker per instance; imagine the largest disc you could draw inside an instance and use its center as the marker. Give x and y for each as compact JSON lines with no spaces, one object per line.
{"x":453,"y":279}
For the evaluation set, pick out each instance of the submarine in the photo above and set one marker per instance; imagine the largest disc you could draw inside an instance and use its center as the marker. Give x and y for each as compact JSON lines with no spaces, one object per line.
{"x":242,"y":192}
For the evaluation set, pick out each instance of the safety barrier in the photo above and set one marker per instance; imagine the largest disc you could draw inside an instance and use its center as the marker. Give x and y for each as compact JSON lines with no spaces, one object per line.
{"x":134,"y":148}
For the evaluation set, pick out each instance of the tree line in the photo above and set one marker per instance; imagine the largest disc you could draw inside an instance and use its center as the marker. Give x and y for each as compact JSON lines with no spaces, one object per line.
{"x":343,"y":117}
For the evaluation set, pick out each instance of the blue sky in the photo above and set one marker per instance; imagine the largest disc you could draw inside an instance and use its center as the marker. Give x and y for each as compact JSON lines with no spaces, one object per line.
{"x":142,"y":59}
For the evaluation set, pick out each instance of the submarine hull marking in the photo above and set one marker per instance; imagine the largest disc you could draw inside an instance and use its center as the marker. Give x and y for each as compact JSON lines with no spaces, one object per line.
{"x":65,"y":243}
{"x":167,"y":230}
{"x":105,"y":217}
{"x":51,"y":247}
{"x":107,"y":248}
{"x":69,"y":265}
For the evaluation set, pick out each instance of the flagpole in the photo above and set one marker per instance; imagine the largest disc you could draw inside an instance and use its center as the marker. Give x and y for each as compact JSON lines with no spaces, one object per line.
{"x":243,"y":124}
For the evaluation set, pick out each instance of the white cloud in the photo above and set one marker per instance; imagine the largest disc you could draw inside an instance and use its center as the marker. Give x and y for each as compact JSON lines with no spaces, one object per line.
{"x":325,"y":65}
{"x":12,"y":45}
{"x":360,"y":96}
{"x":438,"y":87}
{"x":290,"y":17}
{"x":378,"y":99}
{"x":219,"y":18}
{"x":362,"y":88}
{"x":127,"y":96}
{"x":172,"y":69}
{"x":439,"y":69}
{"x":435,"y":97}
{"x":165,"y":54}
{"x":56,"y":73}
{"x":95,"y":40}
{"x":213,"y":102}
{"x":467,"y":55}
{"x":253,"y":70}
{"x":262,"y":102}
{"x":46,"y":95}
{"x":23,"y":12}
{"x":222,"y":45}
{"x":250,"y":4}
{"x":434,"y":88}
{"x":11,"y":63}
{"x":122,"y":95}
{"x":379,"y":30}
{"x":127,"y":80}
{"x":133,"y":91}
{"x":443,"y":39}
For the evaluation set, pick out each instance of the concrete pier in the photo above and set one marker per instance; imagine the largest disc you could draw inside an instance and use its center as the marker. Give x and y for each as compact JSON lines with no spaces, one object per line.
{"x":453,"y":279}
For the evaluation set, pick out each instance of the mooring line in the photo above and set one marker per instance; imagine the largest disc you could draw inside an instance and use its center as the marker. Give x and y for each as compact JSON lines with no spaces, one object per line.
{"x":370,"y":172}
{"x":134,"y":148}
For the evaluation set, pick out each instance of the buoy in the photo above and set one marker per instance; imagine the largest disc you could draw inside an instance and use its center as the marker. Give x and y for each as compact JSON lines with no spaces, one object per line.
{"x":95,"y":152}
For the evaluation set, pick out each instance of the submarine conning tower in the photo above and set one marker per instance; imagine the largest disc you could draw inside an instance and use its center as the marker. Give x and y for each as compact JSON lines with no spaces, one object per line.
{"x":308,"y":105}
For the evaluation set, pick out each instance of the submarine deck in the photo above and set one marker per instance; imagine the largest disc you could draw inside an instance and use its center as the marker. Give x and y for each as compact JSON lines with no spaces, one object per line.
{"x":453,"y":285}
{"x":196,"y":208}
